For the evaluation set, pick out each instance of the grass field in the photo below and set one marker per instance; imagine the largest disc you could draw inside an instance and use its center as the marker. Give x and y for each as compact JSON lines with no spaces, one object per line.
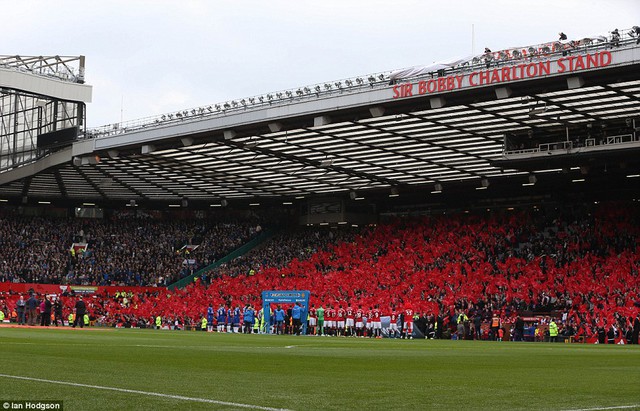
{"x":125,"y":369}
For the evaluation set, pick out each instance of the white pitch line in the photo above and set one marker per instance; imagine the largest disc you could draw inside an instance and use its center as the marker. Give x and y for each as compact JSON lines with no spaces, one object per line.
{"x":153,"y":394}
{"x":619,"y":407}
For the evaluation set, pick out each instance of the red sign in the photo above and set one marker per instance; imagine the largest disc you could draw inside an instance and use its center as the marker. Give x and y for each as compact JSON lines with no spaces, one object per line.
{"x":504,"y":74}
{"x":78,"y":289}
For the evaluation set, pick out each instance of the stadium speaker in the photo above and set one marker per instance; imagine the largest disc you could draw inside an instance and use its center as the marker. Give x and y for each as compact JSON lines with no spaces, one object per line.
{"x":224,"y":202}
{"x":353,"y":195}
{"x":184,"y":203}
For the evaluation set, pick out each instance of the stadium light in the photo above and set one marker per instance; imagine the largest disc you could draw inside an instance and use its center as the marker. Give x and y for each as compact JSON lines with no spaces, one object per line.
{"x":289,"y":93}
{"x":394,"y":193}
{"x":359,"y":81}
{"x":326,"y":162}
{"x":317,"y":88}
{"x":338,"y":84}
{"x":210,"y":109}
{"x":349,"y":83}
{"x":299,"y":92}
{"x":226,"y":106}
{"x":327,"y":86}
{"x":307,"y":90}
{"x":484,"y":184}
{"x":437,"y":189}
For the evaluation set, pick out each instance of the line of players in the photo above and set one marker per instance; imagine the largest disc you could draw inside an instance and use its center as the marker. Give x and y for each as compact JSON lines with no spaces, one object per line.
{"x":359,"y":322}
{"x":327,"y":322}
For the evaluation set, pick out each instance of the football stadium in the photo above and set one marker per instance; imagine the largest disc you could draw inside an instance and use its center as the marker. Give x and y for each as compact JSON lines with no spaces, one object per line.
{"x":458,"y":235}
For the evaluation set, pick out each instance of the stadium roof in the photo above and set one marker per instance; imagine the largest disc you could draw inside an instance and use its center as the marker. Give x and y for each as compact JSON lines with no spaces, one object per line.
{"x":418,"y":134}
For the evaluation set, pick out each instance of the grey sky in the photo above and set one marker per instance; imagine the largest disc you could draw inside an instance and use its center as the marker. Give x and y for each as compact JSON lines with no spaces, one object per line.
{"x":151,"y":57}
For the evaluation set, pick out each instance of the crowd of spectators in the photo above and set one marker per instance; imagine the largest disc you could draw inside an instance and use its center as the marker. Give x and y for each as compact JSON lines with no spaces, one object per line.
{"x":127,"y":252}
{"x":580,"y":264}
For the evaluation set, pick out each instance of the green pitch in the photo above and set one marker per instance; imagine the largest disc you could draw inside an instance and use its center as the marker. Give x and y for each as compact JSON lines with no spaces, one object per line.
{"x":174,"y":370}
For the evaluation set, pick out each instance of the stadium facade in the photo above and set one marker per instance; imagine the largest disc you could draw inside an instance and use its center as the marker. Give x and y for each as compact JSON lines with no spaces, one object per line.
{"x":546,"y":122}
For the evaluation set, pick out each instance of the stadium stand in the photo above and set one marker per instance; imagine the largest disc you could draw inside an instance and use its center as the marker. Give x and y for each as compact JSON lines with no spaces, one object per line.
{"x":578,"y":263}
{"x":140,"y":252}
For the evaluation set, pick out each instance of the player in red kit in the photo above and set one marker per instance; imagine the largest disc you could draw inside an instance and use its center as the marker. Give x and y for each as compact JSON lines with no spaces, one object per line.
{"x":359,"y":324}
{"x":377,"y":324}
{"x":408,"y":323}
{"x":340,"y":317}
{"x":393,"y":326}
{"x":331,"y":320}
{"x":313,"y":320}
{"x":350,"y":324}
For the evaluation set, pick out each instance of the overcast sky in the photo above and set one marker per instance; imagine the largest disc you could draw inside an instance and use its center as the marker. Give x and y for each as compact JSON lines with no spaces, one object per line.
{"x":145,"y":58}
